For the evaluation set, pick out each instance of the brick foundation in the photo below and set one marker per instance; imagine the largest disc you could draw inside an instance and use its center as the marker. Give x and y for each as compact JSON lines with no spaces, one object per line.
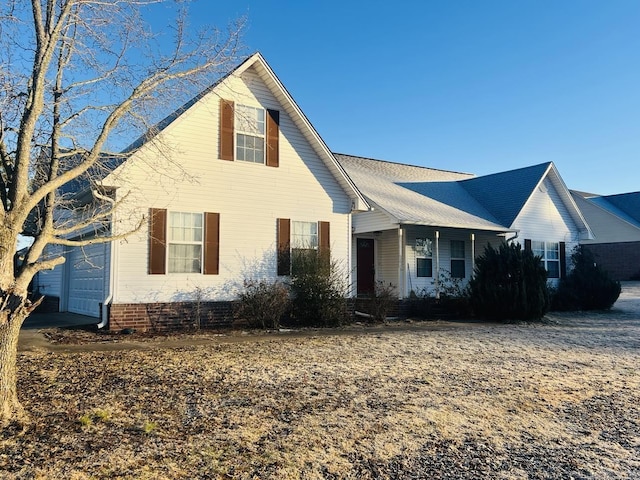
{"x":170,"y":316}
{"x":621,"y":260}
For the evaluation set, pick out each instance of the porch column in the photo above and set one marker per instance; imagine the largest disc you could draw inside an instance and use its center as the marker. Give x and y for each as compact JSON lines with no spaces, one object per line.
{"x":401,"y":262}
{"x":473,"y":252}
{"x":437,"y":272}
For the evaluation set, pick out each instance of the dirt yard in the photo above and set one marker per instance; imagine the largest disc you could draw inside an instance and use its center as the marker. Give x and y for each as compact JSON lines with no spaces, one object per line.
{"x":559,"y":400}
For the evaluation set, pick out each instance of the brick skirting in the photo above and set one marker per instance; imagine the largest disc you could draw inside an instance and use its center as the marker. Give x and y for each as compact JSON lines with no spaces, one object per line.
{"x":170,"y":316}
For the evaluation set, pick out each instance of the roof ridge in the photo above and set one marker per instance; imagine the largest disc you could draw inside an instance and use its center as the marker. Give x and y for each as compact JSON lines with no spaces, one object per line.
{"x":402,"y":164}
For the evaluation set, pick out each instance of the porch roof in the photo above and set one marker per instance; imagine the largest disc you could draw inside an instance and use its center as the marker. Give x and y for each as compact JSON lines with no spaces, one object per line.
{"x":419,"y":195}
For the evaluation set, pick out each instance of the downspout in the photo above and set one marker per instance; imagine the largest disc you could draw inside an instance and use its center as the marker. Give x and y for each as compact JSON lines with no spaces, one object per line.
{"x":104,"y":314}
{"x":473,"y":253}
{"x":509,"y":240}
{"x":437,"y":275}
{"x":401,"y":272}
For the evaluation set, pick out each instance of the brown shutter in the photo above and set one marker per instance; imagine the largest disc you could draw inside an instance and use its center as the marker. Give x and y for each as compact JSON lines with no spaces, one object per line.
{"x":563,"y":260}
{"x":284,"y":251}
{"x":527,"y":244}
{"x":226,"y":129}
{"x":324,"y":240}
{"x":273,"y":137}
{"x":157,"y":241}
{"x":211,"y":243}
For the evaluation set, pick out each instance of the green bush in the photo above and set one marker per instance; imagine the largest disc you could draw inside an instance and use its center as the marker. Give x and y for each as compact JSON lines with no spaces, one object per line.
{"x":263,"y":303}
{"x":509,"y":283}
{"x":587,"y":287}
{"x":318,"y":289}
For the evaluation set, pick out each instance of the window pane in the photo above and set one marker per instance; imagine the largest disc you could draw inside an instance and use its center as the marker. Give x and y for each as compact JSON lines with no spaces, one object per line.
{"x":553,"y":251}
{"x":553,"y":269}
{"x":304,"y":235}
{"x":457,"y":249}
{"x":184,"y":258}
{"x":424,"y":247}
{"x":537,"y":248}
{"x":457,"y":269}
{"x":425,"y":267}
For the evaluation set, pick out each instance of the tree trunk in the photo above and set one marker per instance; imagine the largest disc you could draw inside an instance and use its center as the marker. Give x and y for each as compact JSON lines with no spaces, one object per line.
{"x":11,"y":411}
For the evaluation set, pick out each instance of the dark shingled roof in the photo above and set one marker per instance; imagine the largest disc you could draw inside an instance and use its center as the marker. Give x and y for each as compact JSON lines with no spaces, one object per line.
{"x":504,"y":194}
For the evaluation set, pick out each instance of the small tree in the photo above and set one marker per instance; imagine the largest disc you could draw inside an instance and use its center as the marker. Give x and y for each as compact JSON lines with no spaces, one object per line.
{"x":509,"y":283}
{"x":318,"y":289}
{"x":587,"y":287}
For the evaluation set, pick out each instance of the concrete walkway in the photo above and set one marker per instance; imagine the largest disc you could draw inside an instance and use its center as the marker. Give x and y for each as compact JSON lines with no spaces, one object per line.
{"x":58,"y":320}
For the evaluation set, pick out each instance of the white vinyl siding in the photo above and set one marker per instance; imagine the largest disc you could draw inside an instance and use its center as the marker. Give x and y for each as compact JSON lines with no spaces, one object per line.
{"x":249,"y":199}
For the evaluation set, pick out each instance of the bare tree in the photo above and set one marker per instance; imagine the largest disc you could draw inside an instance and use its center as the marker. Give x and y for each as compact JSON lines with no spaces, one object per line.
{"x":77,"y":77}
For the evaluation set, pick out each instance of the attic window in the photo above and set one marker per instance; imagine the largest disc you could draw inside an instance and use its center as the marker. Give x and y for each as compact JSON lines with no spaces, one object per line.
{"x":250,"y":133}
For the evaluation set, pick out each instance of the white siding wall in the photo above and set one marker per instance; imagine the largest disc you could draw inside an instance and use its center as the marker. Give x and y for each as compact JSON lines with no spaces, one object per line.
{"x":249,"y":197}
{"x":426,"y":284}
{"x":372,"y":222}
{"x":545,"y":218}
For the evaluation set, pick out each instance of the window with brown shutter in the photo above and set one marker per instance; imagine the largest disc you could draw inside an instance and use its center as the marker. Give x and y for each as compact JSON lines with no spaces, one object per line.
{"x":226,"y":129}
{"x":284,"y":246}
{"x":157,"y":241}
{"x":273,"y":138}
{"x":211,"y":243}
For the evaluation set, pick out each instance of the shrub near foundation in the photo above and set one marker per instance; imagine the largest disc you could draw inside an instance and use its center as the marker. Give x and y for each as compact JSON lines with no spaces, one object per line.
{"x":587,"y":287}
{"x":262,"y":303}
{"x":509,"y":283}
{"x":318,"y":290}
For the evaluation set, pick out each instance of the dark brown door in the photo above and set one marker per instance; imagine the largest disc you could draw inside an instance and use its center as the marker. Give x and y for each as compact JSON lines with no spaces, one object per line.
{"x":366,"y":273}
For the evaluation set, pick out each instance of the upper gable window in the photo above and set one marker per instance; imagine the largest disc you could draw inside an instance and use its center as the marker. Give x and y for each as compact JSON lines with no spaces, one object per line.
{"x":250,"y":133}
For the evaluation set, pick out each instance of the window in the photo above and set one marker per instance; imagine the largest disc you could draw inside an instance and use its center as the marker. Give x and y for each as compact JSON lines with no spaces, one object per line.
{"x":304,"y":236}
{"x":301,"y":240}
{"x":549,"y":253}
{"x":250,"y":133}
{"x":185,"y":242}
{"x":424,"y":257}
{"x":457,"y":259}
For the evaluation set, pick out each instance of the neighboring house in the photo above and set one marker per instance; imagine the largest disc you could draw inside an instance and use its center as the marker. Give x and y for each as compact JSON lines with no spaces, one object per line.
{"x":226,"y":188}
{"x":426,"y":223}
{"x":615,"y":221}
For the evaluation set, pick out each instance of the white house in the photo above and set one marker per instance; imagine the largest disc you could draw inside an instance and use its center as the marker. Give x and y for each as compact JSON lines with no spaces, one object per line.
{"x":426,"y":223}
{"x":236,"y":176}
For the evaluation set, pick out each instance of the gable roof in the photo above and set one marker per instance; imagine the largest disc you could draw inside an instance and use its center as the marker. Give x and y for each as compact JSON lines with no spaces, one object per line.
{"x":418,"y":195}
{"x":609,"y":224}
{"x":504,"y":194}
{"x":427,"y":196}
{"x":286,"y":100}
{"x":629,"y":203}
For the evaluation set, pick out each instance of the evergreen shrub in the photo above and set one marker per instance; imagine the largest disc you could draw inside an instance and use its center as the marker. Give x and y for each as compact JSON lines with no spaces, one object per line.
{"x":587,"y":286}
{"x":509,"y":283}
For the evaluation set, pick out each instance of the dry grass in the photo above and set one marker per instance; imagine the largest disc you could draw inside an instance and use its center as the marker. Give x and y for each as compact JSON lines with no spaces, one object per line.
{"x":560,"y":400}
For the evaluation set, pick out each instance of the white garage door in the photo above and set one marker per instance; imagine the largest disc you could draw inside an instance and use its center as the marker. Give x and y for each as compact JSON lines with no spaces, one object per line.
{"x":87,"y":276}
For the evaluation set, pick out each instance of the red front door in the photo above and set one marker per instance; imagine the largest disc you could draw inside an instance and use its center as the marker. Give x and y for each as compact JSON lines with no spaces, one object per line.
{"x":365,"y":266}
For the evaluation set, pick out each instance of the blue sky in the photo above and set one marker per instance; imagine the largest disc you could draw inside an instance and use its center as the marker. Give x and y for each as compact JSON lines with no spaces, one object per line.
{"x":473,"y":86}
